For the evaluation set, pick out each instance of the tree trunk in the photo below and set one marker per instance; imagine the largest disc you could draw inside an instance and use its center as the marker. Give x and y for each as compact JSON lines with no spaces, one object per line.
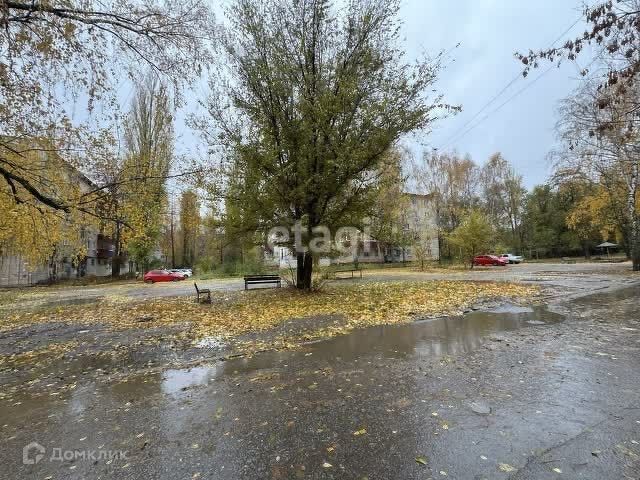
{"x":304,"y":270}
{"x":173,"y":247}
{"x":185,"y":249}
{"x":634,"y":237}
{"x":53,"y":270}
{"x":635,"y":242}
{"x":115,"y":266}
{"x":117,"y":254}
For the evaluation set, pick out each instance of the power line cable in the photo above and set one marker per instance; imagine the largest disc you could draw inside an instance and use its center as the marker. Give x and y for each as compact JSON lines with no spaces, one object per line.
{"x":504,"y":89}
{"x":512,"y":97}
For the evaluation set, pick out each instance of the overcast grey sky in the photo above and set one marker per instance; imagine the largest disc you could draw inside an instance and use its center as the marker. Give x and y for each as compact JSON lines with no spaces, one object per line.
{"x":490,"y":31}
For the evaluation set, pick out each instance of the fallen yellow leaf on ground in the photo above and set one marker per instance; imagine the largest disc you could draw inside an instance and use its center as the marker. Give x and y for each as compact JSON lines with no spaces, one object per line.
{"x":297,"y":315}
{"x":505,"y":467}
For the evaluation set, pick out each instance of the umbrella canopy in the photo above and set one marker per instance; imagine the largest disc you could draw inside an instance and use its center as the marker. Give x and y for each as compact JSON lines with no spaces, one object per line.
{"x":607,"y":244}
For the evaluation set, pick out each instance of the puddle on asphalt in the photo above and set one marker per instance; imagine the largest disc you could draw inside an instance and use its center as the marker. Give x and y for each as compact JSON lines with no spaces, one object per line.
{"x":433,"y":338}
{"x":509,"y":308}
{"x":629,"y":297}
{"x":425,"y":338}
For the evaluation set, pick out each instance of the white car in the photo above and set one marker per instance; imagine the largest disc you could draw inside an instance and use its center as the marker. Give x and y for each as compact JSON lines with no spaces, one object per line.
{"x":185,"y":272}
{"x":511,"y":258}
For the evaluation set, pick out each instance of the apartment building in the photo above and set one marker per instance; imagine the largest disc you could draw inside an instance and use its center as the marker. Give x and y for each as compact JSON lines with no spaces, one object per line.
{"x":420,"y":241}
{"x":63,"y":263}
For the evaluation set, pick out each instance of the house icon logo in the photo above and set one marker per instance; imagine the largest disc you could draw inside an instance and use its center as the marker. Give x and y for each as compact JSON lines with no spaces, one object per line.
{"x":32,"y":453}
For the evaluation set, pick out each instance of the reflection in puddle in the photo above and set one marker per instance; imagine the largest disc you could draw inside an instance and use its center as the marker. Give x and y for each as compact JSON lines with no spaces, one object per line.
{"x":175,"y":381}
{"x":509,"y":308}
{"x":442,"y":336}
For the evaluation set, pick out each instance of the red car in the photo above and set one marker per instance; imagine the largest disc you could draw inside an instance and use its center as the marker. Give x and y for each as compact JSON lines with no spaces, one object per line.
{"x":153,"y":276}
{"x":489,"y":260}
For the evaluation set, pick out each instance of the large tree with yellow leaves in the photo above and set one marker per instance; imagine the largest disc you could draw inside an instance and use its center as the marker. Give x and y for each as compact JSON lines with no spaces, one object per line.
{"x":600,"y":144}
{"x":63,"y":56}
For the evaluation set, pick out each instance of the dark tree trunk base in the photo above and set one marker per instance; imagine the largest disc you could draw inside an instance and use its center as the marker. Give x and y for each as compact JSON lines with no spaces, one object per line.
{"x":115,"y":267}
{"x":304,"y":271}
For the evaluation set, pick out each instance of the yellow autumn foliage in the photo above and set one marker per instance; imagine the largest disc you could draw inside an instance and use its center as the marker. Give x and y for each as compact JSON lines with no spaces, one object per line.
{"x":594,"y":213}
{"x":51,"y":351}
{"x":236,"y":313}
{"x":28,"y":227}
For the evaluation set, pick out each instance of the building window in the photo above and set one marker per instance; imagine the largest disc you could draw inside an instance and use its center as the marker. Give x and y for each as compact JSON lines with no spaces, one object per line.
{"x":93,"y":262}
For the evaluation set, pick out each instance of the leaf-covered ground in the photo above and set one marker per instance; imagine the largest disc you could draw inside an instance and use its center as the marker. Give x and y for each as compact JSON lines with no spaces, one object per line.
{"x":236,"y":313}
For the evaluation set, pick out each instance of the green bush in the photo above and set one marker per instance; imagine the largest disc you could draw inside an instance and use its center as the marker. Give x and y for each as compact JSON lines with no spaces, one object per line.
{"x":204,"y":265}
{"x":251,"y":263}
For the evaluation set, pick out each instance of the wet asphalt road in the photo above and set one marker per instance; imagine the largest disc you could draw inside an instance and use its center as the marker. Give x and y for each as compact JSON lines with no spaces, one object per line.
{"x":521,"y":394}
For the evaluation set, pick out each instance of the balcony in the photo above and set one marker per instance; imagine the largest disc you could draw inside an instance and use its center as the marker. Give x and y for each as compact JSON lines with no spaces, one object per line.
{"x":105,"y":247}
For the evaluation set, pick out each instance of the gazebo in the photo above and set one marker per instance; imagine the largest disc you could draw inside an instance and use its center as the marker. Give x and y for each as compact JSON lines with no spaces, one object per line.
{"x":607,"y":245}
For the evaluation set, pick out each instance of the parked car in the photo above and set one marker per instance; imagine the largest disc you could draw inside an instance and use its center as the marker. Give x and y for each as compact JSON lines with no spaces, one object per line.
{"x":154,"y":276}
{"x":187,"y":272}
{"x":489,"y":260}
{"x":511,"y":258}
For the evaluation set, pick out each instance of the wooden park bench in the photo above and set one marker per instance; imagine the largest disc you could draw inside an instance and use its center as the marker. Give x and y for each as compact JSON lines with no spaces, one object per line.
{"x":203,"y":292}
{"x":347,"y":270}
{"x":567,"y":260}
{"x":261,"y":279}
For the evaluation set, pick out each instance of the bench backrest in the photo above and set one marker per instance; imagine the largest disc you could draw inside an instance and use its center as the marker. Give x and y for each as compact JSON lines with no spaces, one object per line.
{"x":196,"y":285}
{"x":262,"y":277}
